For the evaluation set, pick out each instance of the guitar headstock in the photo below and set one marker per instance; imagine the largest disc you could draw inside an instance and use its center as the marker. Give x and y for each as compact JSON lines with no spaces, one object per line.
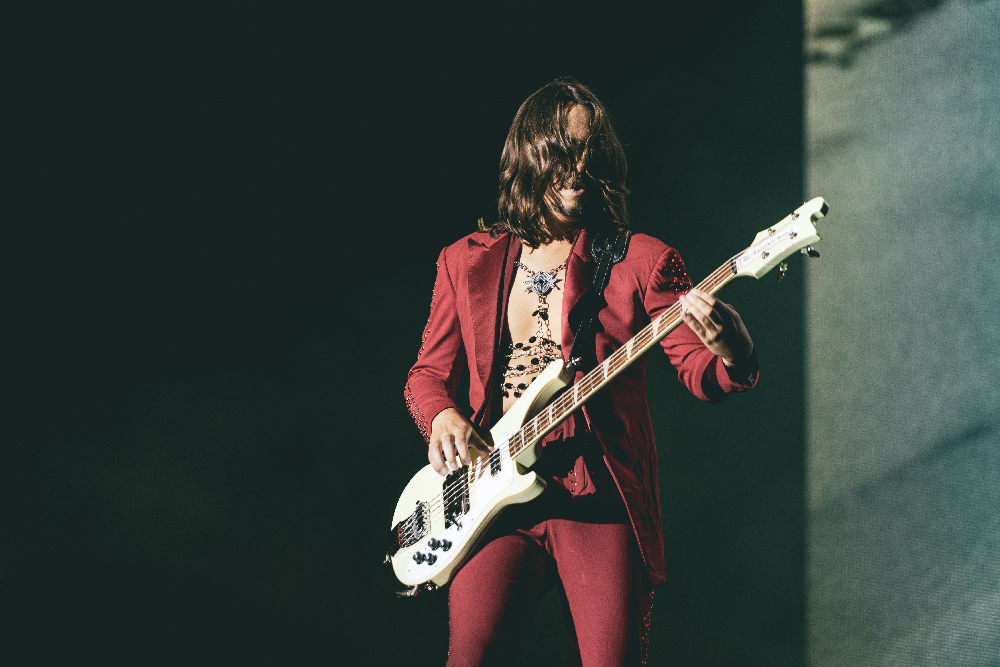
{"x":772,"y":245}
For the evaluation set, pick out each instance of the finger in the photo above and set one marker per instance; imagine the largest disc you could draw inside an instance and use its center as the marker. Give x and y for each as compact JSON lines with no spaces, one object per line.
{"x":711,"y":313}
{"x":435,"y":458}
{"x":473,"y":441}
{"x":463,"y":451}
{"x":694,"y":324}
{"x":479,"y":443}
{"x":701,"y":295}
{"x":724,"y":311}
{"x":698,"y":305}
{"x":694,"y":299}
{"x":698,"y":312}
{"x":448,"y":447}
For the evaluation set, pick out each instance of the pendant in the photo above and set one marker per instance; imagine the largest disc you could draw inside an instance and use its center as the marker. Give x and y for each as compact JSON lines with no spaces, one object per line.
{"x":541,"y":283}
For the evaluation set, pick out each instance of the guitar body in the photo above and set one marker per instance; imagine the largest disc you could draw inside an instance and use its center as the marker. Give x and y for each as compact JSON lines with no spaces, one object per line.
{"x":439,"y":520}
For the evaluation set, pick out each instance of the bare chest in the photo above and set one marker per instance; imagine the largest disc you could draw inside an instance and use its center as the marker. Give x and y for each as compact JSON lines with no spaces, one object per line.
{"x":534,"y":320}
{"x":529,"y":312}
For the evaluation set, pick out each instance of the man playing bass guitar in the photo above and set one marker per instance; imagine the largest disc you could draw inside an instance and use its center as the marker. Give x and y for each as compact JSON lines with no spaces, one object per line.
{"x":508,"y":300}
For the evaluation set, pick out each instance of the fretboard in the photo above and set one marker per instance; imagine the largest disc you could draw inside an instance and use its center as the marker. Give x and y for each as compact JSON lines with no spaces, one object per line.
{"x":577,"y":394}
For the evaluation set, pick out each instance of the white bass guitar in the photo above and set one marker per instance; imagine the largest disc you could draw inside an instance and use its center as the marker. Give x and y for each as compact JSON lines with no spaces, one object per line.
{"x":439,"y":521}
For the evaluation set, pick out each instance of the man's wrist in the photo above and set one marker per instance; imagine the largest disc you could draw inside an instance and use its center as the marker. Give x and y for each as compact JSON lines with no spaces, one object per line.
{"x":444,"y":410}
{"x":743,"y":372}
{"x":732,"y":364}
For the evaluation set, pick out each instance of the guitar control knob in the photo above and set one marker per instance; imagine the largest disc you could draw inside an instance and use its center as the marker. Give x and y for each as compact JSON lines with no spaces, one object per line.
{"x":433,"y":543}
{"x":420,"y":557}
{"x":431,"y":559}
{"x":446,"y":544}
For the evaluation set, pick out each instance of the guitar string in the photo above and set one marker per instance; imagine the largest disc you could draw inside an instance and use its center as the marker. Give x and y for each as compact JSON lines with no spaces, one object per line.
{"x":642,"y":341}
{"x":597,"y":376}
{"x":565,"y":405}
{"x":590,"y":383}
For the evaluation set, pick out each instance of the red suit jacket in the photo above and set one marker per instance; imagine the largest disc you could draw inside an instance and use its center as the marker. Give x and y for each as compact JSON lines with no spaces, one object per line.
{"x":463,"y":332}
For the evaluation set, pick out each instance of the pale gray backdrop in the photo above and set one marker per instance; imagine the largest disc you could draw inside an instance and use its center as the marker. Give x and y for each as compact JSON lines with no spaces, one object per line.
{"x":903,"y":469}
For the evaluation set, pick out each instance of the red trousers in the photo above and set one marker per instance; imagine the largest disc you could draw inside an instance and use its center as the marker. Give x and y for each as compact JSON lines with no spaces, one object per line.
{"x":596,"y":566}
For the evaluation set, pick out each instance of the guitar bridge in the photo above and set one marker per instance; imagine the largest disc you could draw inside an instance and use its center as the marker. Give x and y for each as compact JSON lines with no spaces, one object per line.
{"x":408,"y":531}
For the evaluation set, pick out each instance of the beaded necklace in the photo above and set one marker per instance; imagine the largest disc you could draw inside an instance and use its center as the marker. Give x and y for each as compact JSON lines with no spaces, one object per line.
{"x":533,"y":355}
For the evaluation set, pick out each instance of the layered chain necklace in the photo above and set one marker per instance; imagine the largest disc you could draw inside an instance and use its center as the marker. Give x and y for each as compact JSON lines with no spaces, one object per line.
{"x":533,"y":355}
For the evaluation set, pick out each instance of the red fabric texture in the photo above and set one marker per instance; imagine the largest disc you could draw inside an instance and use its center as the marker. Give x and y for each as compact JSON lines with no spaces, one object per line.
{"x":462,"y":334}
{"x":494,"y":596}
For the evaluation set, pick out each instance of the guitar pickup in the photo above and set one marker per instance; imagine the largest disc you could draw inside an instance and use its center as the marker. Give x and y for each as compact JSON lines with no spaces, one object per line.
{"x":455,"y":497}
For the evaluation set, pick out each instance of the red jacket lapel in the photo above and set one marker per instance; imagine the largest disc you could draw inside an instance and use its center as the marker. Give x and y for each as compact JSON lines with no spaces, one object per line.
{"x":486,"y":263}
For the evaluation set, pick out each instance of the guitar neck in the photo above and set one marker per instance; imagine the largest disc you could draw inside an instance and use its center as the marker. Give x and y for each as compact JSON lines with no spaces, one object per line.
{"x":577,"y":394}
{"x":795,"y":232}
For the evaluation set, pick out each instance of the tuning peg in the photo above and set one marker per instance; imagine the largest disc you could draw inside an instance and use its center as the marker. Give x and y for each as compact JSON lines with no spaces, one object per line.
{"x":782,"y":268}
{"x":811,"y":251}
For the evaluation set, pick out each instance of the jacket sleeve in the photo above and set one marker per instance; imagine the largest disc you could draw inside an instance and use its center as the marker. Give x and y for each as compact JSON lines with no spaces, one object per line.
{"x":430,"y":385}
{"x":701,"y":371}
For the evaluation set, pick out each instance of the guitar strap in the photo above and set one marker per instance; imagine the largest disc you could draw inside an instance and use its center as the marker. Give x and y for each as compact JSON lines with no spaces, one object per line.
{"x":608,"y":250}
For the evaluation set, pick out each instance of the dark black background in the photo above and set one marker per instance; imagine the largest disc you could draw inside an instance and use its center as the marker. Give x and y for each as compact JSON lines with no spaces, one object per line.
{"x":220,"y":253}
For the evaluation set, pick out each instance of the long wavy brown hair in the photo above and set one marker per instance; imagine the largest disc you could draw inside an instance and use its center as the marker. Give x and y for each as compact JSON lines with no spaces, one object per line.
{"x":539,"y":156}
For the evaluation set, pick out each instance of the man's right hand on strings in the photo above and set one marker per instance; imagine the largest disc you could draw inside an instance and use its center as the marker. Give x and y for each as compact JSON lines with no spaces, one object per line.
{"x":451,"y":437}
